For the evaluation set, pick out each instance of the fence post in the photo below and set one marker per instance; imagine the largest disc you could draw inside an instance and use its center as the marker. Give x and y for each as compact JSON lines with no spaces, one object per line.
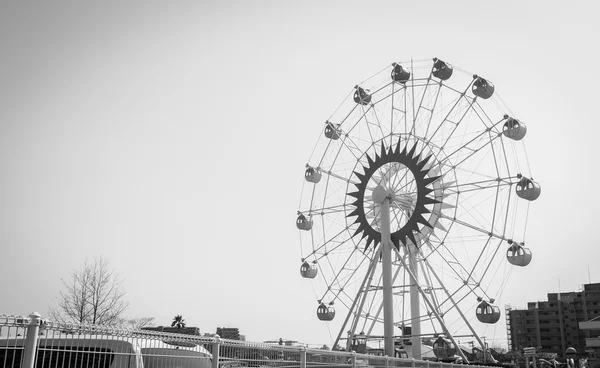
{"x":31,"y":340}
{"x":387,"y":361}
{"x":413,"y":365}
{"x":215,"y":352}
{"x":353,"y":359}
{"x":302,"y":357}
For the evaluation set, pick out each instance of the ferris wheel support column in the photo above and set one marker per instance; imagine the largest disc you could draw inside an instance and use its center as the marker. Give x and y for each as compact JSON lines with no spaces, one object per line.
{"x":381,"y":196}
{"x":415,"y":310}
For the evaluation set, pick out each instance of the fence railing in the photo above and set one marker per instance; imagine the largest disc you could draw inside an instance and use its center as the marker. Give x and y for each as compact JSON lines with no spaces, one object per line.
{"x":28,"y":342}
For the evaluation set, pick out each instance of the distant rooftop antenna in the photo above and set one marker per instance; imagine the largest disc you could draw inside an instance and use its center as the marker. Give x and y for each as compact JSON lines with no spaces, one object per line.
{"x":558,"y":277}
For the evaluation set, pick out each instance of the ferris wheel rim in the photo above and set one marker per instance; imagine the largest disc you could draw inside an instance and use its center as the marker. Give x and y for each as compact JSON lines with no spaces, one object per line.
{"x":494,"y":131}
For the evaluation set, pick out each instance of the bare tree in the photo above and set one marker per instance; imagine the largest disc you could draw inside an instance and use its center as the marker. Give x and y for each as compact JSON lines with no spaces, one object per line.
{"x":93,"y":295}
{"x":137,"y":323}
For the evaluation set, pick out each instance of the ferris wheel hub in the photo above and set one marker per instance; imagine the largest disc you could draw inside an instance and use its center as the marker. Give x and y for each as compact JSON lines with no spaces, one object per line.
{"x":380,"y":194}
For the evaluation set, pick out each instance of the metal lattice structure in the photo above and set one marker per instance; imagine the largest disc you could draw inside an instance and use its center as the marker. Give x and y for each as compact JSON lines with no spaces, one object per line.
{"x":419,"y":185}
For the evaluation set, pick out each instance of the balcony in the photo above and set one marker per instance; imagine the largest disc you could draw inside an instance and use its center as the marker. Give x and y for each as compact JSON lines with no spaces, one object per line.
{"x":590,"y":325}
{"x":592,"y":342}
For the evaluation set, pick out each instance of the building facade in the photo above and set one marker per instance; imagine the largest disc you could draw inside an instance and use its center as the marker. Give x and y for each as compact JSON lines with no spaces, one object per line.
{"x":553,"y":325}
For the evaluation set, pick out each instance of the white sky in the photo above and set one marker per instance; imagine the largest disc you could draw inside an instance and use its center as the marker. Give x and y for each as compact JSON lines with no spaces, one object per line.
{"x":172,"y":139}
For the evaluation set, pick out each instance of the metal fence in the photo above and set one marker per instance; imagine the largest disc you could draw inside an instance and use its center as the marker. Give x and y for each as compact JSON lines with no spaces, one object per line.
{"x":28,"y":342}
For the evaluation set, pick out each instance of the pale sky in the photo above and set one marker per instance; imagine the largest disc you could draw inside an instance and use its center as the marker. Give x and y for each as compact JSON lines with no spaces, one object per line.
{"x":171,"y":138}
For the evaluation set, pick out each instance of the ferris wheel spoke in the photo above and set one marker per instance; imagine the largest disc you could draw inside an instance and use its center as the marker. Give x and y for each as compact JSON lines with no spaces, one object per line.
{"x":362,"y":116}
{"x":456,"y":124}
{"x":348,"y":115}
{"x":473,"y":208}
{"x":431,"y":109}
{"x":342,"y":282}
{"x":479,"y":259}
{"x":473,"y":227}
{"x":403,"y":212}
{"x":330,"y":209}
{"x":399,"y":94}
{"x":447,"y":117}
{"x":353,"y":148}
{"x":339,"y":177}
{"x":412,"y":99}
{"x":472,"y":150}
{"x":483,"y":116}
{"x":399,"y":179}
{"x":324,"y":251}
{"x":379,"y":125}
{"x":489,"y":263}
{"x":454,"y":264}
{"x":480,"y":185}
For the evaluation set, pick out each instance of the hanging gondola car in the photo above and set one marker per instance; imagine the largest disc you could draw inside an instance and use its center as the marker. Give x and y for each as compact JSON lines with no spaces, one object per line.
{"x":441,"y":70}
{"x":518,"y":255}
{"x":312,"y":175}
{"x":513,"y":128}
{"x":528,"y":189}
{"x":308,"y":271}
{"x":443,"y":348}
{"x":487,"y":313}
{"x":303,"y":223}
{"x":325,"y":312}
{"x":482,"y":88}
{"x":359,"y":343}
{"x":362,"y":96}
{"x":332,"y":131}
{"x":400,"y":74}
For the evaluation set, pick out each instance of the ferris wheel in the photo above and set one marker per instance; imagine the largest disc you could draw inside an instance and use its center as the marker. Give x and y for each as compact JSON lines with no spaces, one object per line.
{"x":414,"y":206}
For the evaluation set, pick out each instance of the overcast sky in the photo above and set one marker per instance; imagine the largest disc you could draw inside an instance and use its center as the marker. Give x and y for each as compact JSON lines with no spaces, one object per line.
{"x":171,"y":138}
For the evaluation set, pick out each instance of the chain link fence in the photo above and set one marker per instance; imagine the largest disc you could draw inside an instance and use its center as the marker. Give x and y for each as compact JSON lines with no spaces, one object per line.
{"x":28,"y":342}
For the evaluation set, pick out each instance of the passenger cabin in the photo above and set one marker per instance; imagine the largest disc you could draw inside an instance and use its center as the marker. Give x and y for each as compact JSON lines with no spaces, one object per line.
{"x":444,"y":348}
{"x":380,"y":352}
{"x":518,"y":255}
{"x":332,"y":131}
{"x":362,"y":96}
{"x":400,"y":74}
{"x":441,"y":69}
{"x":304,"y":223}
{"x":487,"y":313}
{"x":308,"y":271}
{"x":312,"y":175}
{"x":513,"y":128}
{"x":528,"y":189}
{"x":325,"y":312}
{"x":482,"y":88}
{"x":359,"y":343}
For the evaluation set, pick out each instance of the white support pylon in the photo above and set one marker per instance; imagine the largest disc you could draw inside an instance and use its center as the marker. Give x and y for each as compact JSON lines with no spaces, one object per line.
{"x":382,"y":197}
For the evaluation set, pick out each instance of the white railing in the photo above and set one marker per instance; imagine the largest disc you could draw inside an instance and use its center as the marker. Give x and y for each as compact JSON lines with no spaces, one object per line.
{"x":28,"y":342}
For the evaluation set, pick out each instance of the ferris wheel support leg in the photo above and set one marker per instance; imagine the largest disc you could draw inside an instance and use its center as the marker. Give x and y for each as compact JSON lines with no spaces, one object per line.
{"x":415,"y":309}
{"x":466,"y":321}
{"x":386,"y":260}
{"x":362,"y":294}
{"x":432,"y":308}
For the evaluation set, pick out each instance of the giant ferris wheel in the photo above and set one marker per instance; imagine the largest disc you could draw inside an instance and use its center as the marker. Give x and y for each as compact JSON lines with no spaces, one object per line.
{"x":414,"y":206}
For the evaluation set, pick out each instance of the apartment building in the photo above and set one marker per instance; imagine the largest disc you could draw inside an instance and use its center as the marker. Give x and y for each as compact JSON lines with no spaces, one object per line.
{"x":553,"y":325}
